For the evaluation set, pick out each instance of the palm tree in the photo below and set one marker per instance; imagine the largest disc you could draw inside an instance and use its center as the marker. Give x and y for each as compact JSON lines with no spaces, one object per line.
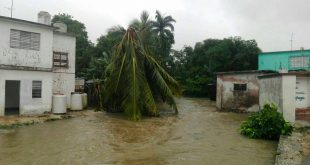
{"x":143,"y":23}
{"x":143,"y":27}
{"x":163,"y":27}
{"x":135,"y":77}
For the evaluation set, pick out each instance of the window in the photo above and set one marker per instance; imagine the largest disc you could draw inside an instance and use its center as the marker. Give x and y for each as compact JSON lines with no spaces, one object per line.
{"x":24,"y":40}
{"x":60,"y":59}
{"x":36,"y":89}
{"x":299,"y":62}
{"x":240,"y":87}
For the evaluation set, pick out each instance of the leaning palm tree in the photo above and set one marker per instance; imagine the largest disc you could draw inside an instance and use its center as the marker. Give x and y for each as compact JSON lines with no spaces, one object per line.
{"x":135,"y":78}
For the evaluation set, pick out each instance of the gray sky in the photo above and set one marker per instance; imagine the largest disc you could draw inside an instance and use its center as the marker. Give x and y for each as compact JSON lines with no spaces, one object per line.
{"x":269,"y":22}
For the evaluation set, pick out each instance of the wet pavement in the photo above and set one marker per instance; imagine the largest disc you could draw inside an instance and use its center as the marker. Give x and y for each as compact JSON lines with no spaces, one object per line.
{"x":198,"y":135}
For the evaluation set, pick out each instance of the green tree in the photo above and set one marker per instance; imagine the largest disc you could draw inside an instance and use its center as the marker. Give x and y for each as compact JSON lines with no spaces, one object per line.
{"x":143,"y":27}
{"x":84,"y":48}
{"x":135,"y":78}
{"x":200,"y":64}
{"x":163,"y":27}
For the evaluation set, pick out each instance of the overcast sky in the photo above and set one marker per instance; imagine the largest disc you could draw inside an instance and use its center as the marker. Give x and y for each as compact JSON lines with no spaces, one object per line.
{"x":269,"y":22}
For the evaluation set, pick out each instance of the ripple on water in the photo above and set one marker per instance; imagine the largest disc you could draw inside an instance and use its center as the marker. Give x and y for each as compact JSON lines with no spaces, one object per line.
{"x":198,"y":135}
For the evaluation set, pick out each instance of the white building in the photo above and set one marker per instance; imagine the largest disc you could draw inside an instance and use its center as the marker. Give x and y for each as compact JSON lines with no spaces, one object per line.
{"x":289,"y":91}
{"x":36,"y":60}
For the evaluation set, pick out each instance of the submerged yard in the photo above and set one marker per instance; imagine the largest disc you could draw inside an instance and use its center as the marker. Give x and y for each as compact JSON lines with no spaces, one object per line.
{"x":198,"y":135}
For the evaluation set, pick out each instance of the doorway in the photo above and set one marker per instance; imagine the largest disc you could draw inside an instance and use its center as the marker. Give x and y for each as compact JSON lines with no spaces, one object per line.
{"x":12,"y":97}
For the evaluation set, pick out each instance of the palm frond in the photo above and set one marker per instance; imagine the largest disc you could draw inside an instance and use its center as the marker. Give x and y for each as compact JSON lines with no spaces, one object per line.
{"x":129,"y":88}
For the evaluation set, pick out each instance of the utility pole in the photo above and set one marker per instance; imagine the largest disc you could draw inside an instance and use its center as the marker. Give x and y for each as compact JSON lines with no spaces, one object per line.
{"x":292,"y":41}
{"x":11,"y":8}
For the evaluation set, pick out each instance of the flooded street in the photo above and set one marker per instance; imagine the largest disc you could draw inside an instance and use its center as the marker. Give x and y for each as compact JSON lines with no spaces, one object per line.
{"x":198,"y":135}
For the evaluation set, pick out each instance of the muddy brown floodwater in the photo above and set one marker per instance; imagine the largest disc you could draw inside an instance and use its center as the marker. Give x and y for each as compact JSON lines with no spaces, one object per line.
{"x":198,"y":135}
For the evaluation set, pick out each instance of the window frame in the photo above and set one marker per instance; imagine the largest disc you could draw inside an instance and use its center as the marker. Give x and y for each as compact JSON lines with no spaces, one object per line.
{"x":302,"y":62}
{"x":20,"y":39}
{"x":240,"y":87}
{"x":37,"y":89}
{"x":60,"y":60}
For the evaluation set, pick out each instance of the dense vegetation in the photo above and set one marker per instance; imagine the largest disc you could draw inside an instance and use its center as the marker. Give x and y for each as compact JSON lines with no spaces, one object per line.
{"x":196,"y":67}
{"x":193,"y":67}
{"x":266,"y":124}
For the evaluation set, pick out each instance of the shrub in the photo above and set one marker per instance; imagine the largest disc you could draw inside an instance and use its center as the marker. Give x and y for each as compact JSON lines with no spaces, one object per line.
{"x":266,"y":124}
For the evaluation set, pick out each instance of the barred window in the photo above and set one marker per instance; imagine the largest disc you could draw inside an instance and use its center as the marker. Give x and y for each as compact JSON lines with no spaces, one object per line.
{"x":60,"y":59}
{"x":240,"y":87}
{"x":24,"y":40}
{"x":299,"y":62}
{"x":36,"y":89}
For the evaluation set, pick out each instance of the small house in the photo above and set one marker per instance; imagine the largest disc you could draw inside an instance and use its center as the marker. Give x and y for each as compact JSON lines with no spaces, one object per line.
{"x":238,"y":90}
{"x":37,"y":59}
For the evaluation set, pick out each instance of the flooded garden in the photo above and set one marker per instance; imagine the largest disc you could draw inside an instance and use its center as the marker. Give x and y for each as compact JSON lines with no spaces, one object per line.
{"x":197,"y":135}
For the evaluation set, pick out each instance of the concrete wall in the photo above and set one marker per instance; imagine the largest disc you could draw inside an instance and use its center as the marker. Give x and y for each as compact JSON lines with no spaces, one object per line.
{"x":288,"y":91}
{"x":28,"y":105}
{"x":229,"y":100}
{"x":271,"y":91}
{"x":65,"y":43}
{"x":64,"y":78}
{"x":23,"y":57}
{"x":64,"y":83}
{"x":302,"y":92}
{"x":279,"y":90}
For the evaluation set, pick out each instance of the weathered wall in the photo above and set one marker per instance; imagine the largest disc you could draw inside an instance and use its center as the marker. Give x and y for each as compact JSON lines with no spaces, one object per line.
{"x":270,"y":91}
{"x":64,"y":83}
{"x":65,"y":43}
{"x":28,"y":105}
{"x":219,"y":89}
{"x":288,"y":91}
{"x":228,"y":99}
{"x":279,"y":90}
{"x":64,"y":78}
{"x":302,"y":92}
{"x":23,"y":57}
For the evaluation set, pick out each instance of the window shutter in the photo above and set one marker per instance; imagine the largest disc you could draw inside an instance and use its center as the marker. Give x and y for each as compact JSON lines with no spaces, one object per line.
{"x":36,"y":89}
{"x":24,"y":40}
{"x":14,"y":39}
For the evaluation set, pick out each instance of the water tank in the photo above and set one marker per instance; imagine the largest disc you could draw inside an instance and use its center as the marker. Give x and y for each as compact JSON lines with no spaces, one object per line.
{"x":84,"y":100}
{"x":59,"y":104}
{"x":44,"y":18}
{"x":76,"y":101}
{"x":61,"y":27}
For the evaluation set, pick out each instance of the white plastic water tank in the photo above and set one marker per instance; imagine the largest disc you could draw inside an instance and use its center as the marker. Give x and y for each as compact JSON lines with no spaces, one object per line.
{"x":59,"y":104}
{"x":84,"y":100}
{"x":76,"y":102}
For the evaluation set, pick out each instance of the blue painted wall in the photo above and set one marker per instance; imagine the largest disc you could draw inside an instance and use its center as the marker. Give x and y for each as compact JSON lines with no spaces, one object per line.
{"x":276,"y":60}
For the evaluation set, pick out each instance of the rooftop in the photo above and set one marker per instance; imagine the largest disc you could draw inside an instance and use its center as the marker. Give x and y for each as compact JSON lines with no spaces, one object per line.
{"x":245,"y":72}
{"x":297,"y":73}
{"x":26,"y":22}
{"x":286,"y":51}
